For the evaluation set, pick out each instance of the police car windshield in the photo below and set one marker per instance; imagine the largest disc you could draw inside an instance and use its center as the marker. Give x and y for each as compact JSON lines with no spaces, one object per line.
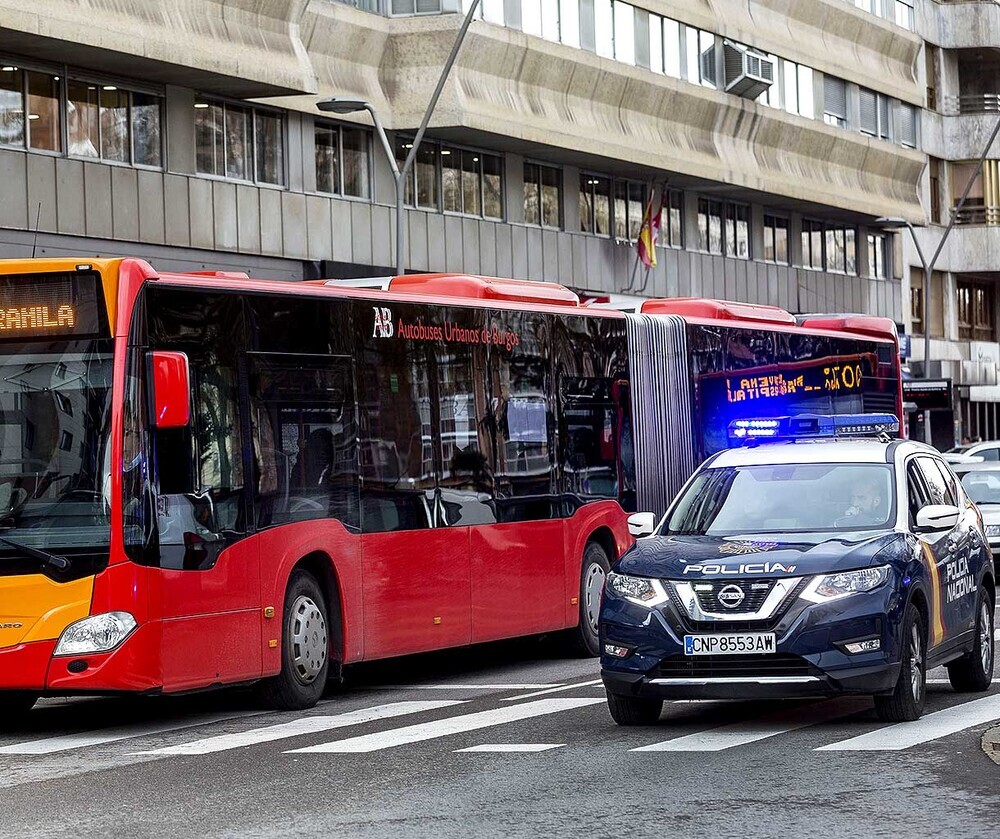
{"x":785,"y":498}
{"x":983,"y":487}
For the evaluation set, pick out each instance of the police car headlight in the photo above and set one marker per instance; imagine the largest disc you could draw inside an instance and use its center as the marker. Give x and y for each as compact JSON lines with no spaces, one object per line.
{"x":96,"y":634}
{"x":642,"y":591}
{"x":829,"y":587}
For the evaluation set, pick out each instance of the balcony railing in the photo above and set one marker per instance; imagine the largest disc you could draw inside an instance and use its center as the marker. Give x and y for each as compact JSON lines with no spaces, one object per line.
{"x":982,"y":214}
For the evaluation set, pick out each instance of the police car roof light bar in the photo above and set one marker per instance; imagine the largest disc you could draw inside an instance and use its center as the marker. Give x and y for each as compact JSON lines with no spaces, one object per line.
{"x":811,"y":427}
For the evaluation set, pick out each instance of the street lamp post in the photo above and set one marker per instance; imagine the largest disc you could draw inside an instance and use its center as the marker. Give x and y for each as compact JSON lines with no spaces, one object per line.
{"x":342,"y":106}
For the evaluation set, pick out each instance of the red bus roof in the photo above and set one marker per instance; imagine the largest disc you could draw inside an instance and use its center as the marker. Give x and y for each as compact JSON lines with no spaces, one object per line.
{"x":703,"y":309}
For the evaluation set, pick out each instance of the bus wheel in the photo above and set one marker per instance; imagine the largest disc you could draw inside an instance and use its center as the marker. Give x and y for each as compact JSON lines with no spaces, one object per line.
{"x":305,"y":648}
{"x":14,"y":705}
{"x":593,"y":573}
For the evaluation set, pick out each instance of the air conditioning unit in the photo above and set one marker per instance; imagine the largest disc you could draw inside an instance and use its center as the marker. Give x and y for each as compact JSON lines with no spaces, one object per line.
{"x":748,"y":72}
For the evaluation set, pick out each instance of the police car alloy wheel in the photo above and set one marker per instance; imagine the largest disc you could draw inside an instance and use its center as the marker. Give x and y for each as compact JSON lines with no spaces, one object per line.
{"x":906,"y":702}
{"x":974,"y":672}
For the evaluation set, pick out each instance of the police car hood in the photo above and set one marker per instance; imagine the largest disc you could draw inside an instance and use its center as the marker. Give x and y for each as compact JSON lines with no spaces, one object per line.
{"x":768,"y":555}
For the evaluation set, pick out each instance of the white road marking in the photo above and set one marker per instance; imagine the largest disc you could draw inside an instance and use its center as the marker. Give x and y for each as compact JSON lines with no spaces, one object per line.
{"x":558,"y":689}
{"x":503,"y":748}
{"x":65,"y":742}
{"x":446,"y":727}
{"x":930,"y":727}
{"x":750,"y":731}
{"x":471,"y":687}
{"x":296,"y":728}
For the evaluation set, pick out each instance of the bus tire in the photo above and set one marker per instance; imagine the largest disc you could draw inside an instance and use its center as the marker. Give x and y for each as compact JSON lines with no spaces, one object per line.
{"x":305,"y":648}
{"x":593,"y":572}
{"x":14,"y":706}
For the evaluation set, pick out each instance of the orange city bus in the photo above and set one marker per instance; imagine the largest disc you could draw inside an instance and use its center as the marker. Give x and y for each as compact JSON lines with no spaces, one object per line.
{"x":207,"y":479}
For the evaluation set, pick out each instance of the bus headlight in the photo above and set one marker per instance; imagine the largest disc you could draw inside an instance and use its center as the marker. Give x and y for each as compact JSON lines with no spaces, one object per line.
{"x":642,"y":591}
{"x":827,"y":587}
{"x":96,"y":634}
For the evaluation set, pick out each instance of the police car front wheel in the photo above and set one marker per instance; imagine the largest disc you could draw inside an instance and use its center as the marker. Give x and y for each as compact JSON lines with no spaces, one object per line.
{"x":974,"y":672}
{"x":906,"y":702}
{"x":633,"y":710}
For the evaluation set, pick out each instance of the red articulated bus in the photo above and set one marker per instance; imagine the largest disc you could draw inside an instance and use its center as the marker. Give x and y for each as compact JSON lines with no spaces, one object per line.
{"x":207,"y":479}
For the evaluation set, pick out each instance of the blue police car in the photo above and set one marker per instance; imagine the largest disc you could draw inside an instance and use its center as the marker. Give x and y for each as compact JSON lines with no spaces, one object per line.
{"x":808,"y":561}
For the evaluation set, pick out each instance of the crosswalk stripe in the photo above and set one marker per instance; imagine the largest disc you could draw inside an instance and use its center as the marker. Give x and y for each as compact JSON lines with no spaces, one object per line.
{"x":557,"y":689}
{"x":927,"y":728}
{"x":750,"y":731}
{"x":296,"y":728}
{"x":505,"y":748}
{"x":446,"y":727}
{"x":65,"y":742}
{"x":522,"y":686}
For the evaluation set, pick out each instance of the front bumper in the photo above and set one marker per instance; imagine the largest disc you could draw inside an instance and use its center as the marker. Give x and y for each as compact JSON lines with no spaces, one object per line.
{"x":810,"y":657}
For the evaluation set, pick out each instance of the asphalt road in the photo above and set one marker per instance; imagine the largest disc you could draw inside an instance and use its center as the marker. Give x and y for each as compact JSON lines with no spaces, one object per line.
{"x":504,"y":740}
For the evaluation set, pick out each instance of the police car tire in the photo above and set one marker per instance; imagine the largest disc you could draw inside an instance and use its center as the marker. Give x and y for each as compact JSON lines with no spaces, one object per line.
{"x":633,"y":710}
{"x":583,"y":638}
{"x":15,"y":705}
{"x":901,"y":705}
{"x":287,"y":692}
{"x":967,"y":674}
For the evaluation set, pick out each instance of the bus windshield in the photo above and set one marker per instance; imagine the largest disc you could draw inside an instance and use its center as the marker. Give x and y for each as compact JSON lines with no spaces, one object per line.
{"x":55,"y":458}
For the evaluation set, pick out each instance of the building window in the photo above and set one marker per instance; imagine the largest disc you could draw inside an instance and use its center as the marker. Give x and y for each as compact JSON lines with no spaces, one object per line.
{"x":542,"y":195}
{"x":672,"y":219}
{"x":799,"y":97}
{"x":737,"y":230}
{"x":624,"y":32}
{"x":35,"y":95}
{"x":812,"y":244}
{"x":671,"y":48}
{"x":415,"y":7}
{"x":908,"y":125}
{"x":976,"y":317}
{"x":841,"y":254}
{"x":916,"y":309}
{"x":700,"y":57}
{"x":595,"y":204}
{"x":109,"y":123}
{"x":471,"y":181}
{"x":934,"y":179}
{"x":879,"y":259}
{"x":709,"y":225}
{"x":343,"y":160}
{"x":630,"y":207}
{"x":875,"y":112}
{"x":604,"y":28}
{"x":232,"y":141}
{"x":776,"y":239}
{"x":835,"y":101}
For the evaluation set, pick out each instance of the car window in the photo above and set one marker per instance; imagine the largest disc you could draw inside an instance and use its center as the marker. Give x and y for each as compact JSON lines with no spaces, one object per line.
{"x":950,"y":481}
{"x":989,"y":454}
{"x":983,"y":487}
{"x":785,"y":498}
{"x":916,"y":494}
{"x":937,"y":490}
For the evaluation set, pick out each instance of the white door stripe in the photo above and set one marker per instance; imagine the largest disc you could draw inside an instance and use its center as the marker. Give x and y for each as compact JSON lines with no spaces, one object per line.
{"x":299,"y":727}
{"x":446,"y":727}
{"x":750,"y":731}
{"x":930,"y":727}
{"x":65,"y":742}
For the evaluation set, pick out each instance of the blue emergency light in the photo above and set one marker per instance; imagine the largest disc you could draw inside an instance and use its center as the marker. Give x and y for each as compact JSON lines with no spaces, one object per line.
{"x":810,"y":427}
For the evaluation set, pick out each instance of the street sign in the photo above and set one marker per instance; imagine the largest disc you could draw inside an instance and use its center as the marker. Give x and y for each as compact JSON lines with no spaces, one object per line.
{"x":904,"y":346}
{"x":928,"y":395}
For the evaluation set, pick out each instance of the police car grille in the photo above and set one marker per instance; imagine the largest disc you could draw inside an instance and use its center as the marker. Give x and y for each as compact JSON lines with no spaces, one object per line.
{"x":726,"y":666}
{"x":754,"y":593}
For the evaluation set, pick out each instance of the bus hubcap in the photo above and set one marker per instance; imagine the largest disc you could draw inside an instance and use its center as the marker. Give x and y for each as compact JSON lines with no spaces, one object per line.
{"x":309,"y":644}
{"x":593,"y":586}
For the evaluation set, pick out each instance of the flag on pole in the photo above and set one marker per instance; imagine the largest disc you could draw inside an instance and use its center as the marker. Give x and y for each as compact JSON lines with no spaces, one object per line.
{"x":650,"y":231}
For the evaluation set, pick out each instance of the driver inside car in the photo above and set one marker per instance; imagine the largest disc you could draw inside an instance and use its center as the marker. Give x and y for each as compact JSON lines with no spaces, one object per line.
{"x":866,"y":507}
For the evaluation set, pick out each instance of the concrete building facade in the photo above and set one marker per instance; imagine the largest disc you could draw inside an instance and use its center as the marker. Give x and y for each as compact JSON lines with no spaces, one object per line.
{"x":186,"y":132}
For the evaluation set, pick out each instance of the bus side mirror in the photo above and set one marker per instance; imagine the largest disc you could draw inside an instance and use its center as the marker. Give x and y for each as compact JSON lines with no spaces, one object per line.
{"x":641,"y":524}
{"x":171,"y":380}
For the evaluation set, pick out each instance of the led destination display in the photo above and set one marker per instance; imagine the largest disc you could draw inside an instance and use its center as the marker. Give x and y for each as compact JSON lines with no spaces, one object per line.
{"x":48,"y":306}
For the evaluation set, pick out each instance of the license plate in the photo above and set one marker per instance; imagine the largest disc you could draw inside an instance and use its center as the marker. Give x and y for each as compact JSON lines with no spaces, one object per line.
{"x":993,"y":530}
{"x":739,"y":643}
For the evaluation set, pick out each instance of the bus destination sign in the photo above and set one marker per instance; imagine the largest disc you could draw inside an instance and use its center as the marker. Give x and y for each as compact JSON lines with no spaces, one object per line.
{"x":48,"y":306}
{"x":827,"y":378}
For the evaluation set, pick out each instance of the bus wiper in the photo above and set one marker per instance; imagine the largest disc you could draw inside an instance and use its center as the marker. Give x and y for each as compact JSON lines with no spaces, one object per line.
{"x":60,"y":563}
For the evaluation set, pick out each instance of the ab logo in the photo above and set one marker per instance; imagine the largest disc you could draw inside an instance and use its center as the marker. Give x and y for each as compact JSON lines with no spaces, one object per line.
{"x":383,"y":323}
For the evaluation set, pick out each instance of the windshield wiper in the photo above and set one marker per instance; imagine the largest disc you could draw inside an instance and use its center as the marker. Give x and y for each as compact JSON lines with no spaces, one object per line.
{"x":59,"y":563}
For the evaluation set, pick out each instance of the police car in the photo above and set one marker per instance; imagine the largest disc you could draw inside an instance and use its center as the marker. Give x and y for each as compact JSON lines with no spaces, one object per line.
{"x":808,"y":561}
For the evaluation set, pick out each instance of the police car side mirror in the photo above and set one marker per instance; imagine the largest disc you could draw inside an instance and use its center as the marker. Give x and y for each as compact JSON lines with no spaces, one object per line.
{"x":936,"y":517}
{"x":641,"y":524}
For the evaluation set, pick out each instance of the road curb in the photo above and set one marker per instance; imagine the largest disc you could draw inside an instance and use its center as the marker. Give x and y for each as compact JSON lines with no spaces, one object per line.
{"x":991,"y":744}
